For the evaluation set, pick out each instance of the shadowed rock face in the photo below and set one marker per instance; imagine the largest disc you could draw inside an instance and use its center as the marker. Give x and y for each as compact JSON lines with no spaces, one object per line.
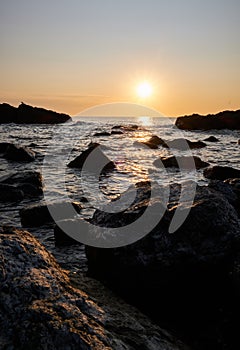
{"x":40,"y":308}
{"x":185,"y":162}
{"x":25,"y":114}
{"x":179,"y":279}
{"x":222,"y":120}
{"x":218,"y":172}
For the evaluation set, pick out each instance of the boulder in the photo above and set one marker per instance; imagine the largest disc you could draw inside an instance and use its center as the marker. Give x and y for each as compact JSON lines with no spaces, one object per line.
{"x":183,"y":144}
{"x":218,"y":172}
{"x":116,"y":132}
{"x":153,"y":142}
{"x":19,"y":154}
{"x":4,"y":146}
{"x":178,"y":279}
{"x":99,"y":156}
{"x":30,"y":182}
{"x":41,"y":308}
{"x":10,"y":193}
{"x":222,"y":120}
{"x":102,"y":133}
{"x":30,"y":115}
{"x":184,"y":162}
{"x":40,"y":214}
{"x":211,"y":139}
{"x":61,"y":238}
{"x":238,"y":142}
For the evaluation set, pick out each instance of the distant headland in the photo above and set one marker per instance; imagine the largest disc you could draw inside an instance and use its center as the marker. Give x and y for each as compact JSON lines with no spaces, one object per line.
{"x":25,"y":114}
{"x":222,"y":120}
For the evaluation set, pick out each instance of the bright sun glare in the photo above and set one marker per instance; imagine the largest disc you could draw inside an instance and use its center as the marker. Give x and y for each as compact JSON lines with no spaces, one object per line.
{"x":144,"y":90}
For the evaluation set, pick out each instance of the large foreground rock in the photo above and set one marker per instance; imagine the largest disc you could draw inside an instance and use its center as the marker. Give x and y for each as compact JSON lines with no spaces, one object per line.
{"x":179,"y":279}
{"x":222,"y":120}
{"x":40,"y":309}
{"x":25,"y":114}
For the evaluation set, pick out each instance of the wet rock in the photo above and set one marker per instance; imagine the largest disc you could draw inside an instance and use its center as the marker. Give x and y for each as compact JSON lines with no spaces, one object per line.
{"x":62,"y":239}
{"x":222,"y":120}
{"x":153,"y":142}
{"x":30,"y":115}
{"x":211,"y":139}
{"x":179,"y":279}
{"x":183,"y":162}
{"x":41,"y":309}
{"x":183,"y":144}
{"x":99,"y":158}
{"x":238,"y":142}
{"x":10,"y":193}
{"x":30,"y":182}
{"x":41,"y":214}
{"x":102,"y":133}
{"x":4,"y":146}
{"x":19,"y":154}
{"x":116,"y":132}
{"x":221,"y":172}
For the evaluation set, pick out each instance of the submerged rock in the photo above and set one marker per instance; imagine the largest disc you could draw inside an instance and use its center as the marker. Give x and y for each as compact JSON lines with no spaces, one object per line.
{"x":102,"y":133}
{"x":30,"y":115}
{"x":19,"y":154}
{"x":183,"y":144}
{"x":211,"y":139}
{"x":40,"y":214}
{"x":40,"y":308}
{"x":183,"y":162}
{"x":179,"y":279}
{"x":99,"y":158}
{"x":222,"y":120}
{"x":218,"y":172}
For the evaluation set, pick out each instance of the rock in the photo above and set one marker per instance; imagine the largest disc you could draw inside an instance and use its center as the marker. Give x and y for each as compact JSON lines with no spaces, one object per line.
{"x":116,"y":132}
{"x":9,"y":193}
{"x":238,"y":142}
{"x":211,"y":139}
{"x":222,"y":120}
{"x":183,"y":162}
{"x":153,"y":142}
{"x":38,"y":214}
{"x":61,"y":238}
{"x":183,"y":144}
{"x":41,"y":309}
{"x":99,"y":156}
{"x":19,"y":154}
{"x":4,"y":146}
{"x":30,"y":115}
{"x":102,"y":133}
{"x":218,"y":172}
{"x":178,"y":279}
{"x":30,"y":182}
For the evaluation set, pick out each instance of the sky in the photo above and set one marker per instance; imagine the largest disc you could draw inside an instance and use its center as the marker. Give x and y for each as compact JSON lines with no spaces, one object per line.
{"x":69,"y":55}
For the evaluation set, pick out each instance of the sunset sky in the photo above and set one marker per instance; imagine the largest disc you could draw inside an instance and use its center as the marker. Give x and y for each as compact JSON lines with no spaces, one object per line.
{"x":68,"y":55}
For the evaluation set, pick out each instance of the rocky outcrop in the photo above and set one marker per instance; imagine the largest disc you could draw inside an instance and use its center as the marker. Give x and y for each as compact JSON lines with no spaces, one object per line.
{"x":19,"y":153}
{"x":29,"y":182}
{"x":179,"y":279}
{"x":222,"y":120}
{"x":40,"y":308}
{"x":40,"y":214}
{"x":25,"y":114}
{"x":183,"y":162}
{"x":218,"y":172}
{"x":99,"y":159}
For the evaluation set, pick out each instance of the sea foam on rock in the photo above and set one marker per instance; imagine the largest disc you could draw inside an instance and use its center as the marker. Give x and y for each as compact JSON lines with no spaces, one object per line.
{"x":40,"y":308}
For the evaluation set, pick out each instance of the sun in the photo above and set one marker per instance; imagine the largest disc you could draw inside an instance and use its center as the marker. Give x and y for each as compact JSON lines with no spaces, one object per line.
{"x":144,"y":90}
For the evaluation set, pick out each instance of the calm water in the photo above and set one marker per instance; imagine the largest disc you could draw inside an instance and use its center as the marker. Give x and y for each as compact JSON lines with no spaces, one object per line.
{"x":134,"y":163}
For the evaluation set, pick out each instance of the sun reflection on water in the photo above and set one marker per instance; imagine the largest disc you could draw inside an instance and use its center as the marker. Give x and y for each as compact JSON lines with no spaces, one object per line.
{"x":145,"y":121}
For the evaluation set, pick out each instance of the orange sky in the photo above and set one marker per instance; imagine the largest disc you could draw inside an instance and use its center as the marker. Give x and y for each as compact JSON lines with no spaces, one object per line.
{"x":70,"y":55}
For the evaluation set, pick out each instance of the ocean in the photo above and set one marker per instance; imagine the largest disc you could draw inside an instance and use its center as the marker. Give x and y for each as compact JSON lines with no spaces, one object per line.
{"x":56,"y":145}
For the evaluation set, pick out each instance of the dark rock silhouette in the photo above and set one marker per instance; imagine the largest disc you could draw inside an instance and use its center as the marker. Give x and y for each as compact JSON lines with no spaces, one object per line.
{"x":4,"y":146}
{"x":184,"y":161}
{"x":102,"y":133}
{"x":99,"y":158}
{"x":238,"y":142}
{"x":25,"y":114}
{"x":41,"y":309}
{"x":211,"y":139}
{"x":218,"y":172}
{"x":183,"y":144}
{"x":153,"y":142}
{"x":19,"y":153}
{"x":222,"y":120}
{"x":116,"y":132}
{"x":10,"y":193}
{"x":180,"y":279}
{"x":40,"y":214}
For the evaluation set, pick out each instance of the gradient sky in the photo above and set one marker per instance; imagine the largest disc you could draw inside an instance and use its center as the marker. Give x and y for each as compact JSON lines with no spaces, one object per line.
{"x":70,"y":55}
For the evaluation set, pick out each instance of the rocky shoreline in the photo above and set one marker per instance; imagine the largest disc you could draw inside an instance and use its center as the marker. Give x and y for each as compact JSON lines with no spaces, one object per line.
{"x":183,"y":286}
